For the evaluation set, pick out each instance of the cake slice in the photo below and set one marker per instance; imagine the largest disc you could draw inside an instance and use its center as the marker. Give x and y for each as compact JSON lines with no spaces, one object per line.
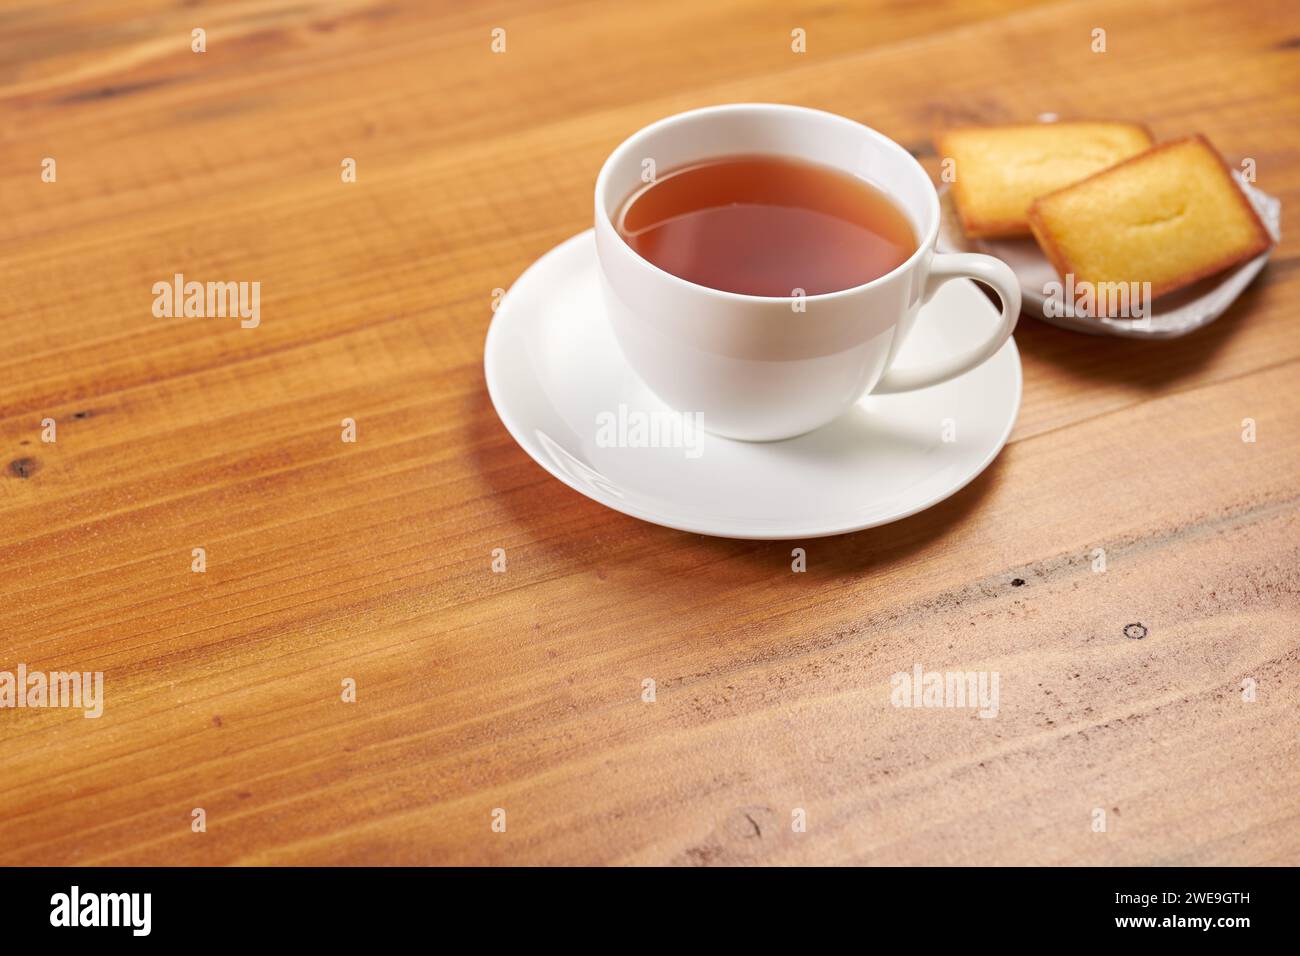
{"x":1169,"y":216}
{"x":1000,"y":170}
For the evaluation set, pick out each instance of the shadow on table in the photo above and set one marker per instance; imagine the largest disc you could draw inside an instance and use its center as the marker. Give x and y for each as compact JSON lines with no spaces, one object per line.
{"x":1150,"y":364}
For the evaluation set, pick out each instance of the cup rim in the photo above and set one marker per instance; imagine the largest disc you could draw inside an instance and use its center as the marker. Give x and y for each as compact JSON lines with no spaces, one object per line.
{"x":924,"y":245}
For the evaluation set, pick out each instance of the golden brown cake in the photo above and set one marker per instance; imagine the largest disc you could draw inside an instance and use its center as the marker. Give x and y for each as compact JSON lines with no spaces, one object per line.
{"x":1000,"y":170}
{"x":1169,"y":216}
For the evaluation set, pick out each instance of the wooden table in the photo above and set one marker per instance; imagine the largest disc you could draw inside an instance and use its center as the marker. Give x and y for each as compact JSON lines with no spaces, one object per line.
{"x":370,"y":561}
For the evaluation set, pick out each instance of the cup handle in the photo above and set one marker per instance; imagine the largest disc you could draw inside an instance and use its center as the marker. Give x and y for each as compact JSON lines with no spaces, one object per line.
{"x":960,"y":265}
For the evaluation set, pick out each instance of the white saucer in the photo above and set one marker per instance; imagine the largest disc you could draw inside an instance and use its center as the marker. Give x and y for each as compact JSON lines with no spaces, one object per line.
{"x":553,"y":366}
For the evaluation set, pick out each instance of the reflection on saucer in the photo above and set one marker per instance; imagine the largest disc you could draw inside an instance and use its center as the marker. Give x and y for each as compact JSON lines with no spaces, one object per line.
{"x":580,"y":472}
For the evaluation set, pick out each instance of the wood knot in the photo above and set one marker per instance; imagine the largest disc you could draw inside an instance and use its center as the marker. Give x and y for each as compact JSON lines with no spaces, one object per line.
{"x":24,"y":467}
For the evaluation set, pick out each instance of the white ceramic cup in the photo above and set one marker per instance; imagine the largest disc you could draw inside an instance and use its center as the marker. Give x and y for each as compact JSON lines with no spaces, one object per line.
{"x":756,"y":367}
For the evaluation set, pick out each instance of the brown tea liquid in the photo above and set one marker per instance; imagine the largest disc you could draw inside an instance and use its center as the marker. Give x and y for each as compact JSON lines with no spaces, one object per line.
{"x":766,"y":225}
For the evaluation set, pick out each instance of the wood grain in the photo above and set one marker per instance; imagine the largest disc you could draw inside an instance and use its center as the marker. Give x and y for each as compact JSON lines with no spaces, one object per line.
{"x":371,"y":561}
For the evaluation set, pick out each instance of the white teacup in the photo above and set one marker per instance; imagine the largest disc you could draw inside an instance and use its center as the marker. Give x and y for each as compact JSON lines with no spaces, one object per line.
{"x":758,"y":368}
